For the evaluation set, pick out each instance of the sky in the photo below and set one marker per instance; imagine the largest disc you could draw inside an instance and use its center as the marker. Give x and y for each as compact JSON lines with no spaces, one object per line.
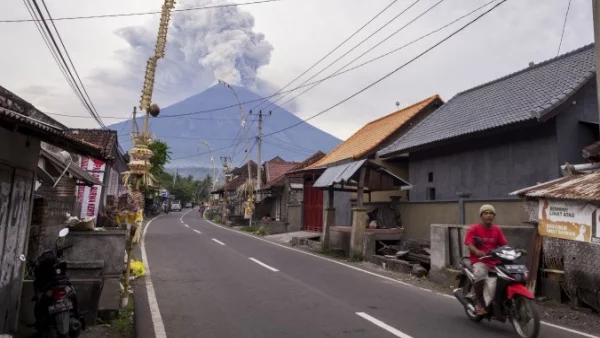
{"x":264,"y":46}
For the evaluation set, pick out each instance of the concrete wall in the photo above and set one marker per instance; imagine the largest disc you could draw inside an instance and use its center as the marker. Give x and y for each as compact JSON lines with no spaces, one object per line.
{"x":294,"y":217}
{"x":343,"y":207}
{"x":447,"y":246}
{"x":572,"y":135}
{"x":93,"y":246}
{"x":490,"y":166}
{"x":417,"y":217}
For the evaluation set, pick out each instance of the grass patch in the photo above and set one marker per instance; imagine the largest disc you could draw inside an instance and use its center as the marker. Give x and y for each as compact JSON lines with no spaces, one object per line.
{"x":260,"y":231}
{"x":123,"y":325}
{"x":355,"y":257}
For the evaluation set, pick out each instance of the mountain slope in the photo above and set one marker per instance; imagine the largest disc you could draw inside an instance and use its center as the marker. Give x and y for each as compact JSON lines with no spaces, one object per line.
{"x":185,"y":134}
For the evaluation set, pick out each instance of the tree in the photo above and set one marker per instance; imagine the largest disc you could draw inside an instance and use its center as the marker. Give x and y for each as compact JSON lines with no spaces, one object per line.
{"x":161,"y":156}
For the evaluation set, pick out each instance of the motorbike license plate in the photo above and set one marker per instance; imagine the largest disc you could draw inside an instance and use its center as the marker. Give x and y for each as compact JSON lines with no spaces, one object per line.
{"x":61,"y":306}
{"x":516,"y":268}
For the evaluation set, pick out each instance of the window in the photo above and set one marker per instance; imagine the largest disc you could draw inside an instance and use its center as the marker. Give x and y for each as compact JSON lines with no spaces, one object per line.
{"x":430,"y":177}
{"x":430,"y":194}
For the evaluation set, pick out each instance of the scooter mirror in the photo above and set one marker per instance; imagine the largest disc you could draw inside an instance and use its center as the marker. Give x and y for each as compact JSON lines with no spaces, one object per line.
{"x":22,"y":258}
{"x":64,"y":232}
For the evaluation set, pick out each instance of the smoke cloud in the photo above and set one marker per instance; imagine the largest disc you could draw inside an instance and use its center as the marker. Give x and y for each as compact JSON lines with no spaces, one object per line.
{"x":203,"y":46}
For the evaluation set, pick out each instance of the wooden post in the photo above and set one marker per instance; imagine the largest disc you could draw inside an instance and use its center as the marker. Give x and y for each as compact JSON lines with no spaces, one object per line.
{"x":361,"y":188}
{"x":535,"y":262}
{"x":329,"y":218}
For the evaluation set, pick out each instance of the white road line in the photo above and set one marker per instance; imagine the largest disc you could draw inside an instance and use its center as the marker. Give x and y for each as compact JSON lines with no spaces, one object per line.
{"x":383,"y":325}
{"x":159,"y":327}
{"x":196,"y":231}
{"x":263,"y":264}
{"x":218,"y":241}
{"x":187,"y":226}
{"x":583,"y":334}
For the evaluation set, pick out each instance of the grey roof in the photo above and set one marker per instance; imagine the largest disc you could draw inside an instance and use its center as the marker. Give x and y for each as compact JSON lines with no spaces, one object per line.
{"x":77,"y":171}
{"x":532,"y":93}
{"x":338,"y":174}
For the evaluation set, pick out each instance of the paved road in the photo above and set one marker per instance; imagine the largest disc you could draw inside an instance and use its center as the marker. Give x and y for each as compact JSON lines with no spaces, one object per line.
{"x":214,"y":282}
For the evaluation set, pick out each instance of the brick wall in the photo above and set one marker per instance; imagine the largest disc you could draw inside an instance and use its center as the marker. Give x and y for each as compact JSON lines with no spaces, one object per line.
{"x":48,"y":218}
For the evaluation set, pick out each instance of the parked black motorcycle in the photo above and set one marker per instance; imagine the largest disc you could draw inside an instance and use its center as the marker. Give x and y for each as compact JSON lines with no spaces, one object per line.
{"x":56,"y":307}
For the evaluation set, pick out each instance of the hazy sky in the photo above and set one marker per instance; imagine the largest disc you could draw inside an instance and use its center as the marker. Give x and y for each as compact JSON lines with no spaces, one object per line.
{"x":264,"y":46}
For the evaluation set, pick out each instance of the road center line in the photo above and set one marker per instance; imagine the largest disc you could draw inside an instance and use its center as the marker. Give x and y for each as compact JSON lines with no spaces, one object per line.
{"x":196,"y":231}
{"x":187,"y":226}
{"x":263,"y":264}
{"x":383,"y":325}
{"x":218,"y":241}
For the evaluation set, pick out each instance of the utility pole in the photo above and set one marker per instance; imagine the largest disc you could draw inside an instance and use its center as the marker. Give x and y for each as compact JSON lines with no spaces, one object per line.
{"x":225,"y":160}
{"x":259,"y":141}
{"x":596,"y":11}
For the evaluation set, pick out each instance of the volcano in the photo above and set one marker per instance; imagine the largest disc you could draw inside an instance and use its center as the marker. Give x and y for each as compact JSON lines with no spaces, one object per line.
{"x":186,"y":124}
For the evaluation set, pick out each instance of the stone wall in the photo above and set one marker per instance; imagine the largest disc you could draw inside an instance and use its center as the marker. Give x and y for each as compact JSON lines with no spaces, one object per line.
{"x":581,"y":268}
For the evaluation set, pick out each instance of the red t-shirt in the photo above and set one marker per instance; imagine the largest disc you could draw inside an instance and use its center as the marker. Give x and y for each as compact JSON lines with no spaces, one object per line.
{"x":491,"y":238}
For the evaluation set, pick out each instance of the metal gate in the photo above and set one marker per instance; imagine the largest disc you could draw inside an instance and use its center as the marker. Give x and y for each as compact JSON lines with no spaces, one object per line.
{"x":15,"y":210}
{"x":313,"y":208}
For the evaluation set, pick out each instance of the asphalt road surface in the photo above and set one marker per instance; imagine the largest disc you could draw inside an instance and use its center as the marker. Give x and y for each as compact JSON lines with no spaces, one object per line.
{"x":215,"y":282}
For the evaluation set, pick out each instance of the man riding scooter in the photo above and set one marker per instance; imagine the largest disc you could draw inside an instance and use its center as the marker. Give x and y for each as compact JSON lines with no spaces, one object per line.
{"x":481,"y":238}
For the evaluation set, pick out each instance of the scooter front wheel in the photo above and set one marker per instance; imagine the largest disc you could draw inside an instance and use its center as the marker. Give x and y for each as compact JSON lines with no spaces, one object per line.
{"x":525,"y":317}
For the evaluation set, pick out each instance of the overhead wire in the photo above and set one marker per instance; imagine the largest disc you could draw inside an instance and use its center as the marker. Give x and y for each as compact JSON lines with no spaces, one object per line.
{"x":562,"y":34}
{"x":363,"y":54}
{"x":207,"y":111}
{"x":143,"y":13}
{"x":388,"y":74}
{"x":55,"y":51}
{"x":331,"y":51}
{"x":356,"y":46}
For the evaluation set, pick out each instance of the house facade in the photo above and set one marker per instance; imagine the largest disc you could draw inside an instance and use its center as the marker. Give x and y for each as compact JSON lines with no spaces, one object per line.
{"x":498,"y":137}
{"x":24,"y":128}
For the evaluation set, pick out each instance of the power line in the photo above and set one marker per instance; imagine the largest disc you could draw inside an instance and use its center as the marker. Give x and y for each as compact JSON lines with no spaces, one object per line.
{"x":333,"y":50}
{"x":142,"y":13}
{"x":562,"y":34}
{"x":57,"y":52}
{"x":128,"y":118}
{"x":353,"y":48}
{"x":340,"y":73}
{"x":91,"y":104}
{"x":390,"y":73}
{"x":366,"y":52}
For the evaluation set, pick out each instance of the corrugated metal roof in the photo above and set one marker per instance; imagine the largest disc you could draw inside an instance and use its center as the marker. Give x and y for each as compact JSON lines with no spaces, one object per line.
{"x":575,"y":187}
{"x":75,"y":170}
{"x":338,"y":174}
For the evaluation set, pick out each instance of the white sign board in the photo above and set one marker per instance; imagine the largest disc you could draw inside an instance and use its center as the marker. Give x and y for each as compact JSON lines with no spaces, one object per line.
{"x":89,"y":197}
{"x":572,"y":220}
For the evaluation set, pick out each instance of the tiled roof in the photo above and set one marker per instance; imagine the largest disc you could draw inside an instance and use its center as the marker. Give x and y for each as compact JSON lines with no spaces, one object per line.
{"x":532,"y":93}
{"x":243,"y":170}
{"x":275,"y":170}
{"x":368,"y":138}
{"x":298,"y":166}
{"x":234,"y":184}
{"x":15,"y":110}
{"x":105,"y":139}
